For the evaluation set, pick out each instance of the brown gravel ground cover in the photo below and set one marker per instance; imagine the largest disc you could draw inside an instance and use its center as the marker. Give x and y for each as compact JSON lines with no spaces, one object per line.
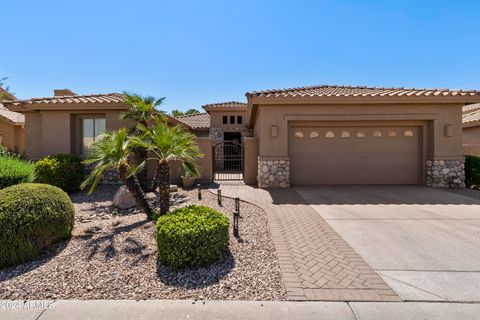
{"x":113,"y":255}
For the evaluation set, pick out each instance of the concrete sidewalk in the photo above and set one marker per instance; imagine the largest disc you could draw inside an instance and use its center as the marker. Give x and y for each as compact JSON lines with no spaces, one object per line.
{"x":175,"y":309}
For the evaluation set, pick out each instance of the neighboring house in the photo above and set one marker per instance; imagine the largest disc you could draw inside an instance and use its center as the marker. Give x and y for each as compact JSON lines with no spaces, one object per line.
{"x":471,"y":124}
{"x":11,"y":126}
{"x":308,"y":135}
{"x":471,"y":129}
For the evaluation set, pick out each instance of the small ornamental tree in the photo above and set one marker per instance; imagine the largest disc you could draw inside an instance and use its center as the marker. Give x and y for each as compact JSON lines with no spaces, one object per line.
{"x":168,"y":143}
{"x":111,"y":150}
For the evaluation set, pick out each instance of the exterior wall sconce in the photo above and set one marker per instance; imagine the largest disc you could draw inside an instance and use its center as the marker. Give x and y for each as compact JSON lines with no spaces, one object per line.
{"x":274,"y":131}
{"x":448,"y":130}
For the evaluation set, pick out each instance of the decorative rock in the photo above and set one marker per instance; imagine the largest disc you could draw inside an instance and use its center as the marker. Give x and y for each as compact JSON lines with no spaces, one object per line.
{"x":123,"y":199}
{"x":173,"y":188}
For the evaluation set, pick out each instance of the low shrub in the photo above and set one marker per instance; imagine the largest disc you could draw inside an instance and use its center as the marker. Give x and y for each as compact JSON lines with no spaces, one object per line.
{"x":32,"y":217}
{"x":5,"y":152}
{"x":60,"y":170}
{"x":14,"y":171}
{"x":472,"y":171}
{"x":192,"y":236}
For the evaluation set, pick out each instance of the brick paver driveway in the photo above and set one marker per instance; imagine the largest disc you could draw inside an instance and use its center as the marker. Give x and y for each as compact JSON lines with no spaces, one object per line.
{"x":316,"y":263}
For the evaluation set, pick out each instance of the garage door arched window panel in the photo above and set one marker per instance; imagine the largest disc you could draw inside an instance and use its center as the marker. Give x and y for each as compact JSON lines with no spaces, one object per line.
{"x":361,"y":134}
{"x":329,"y":134}
{"x":345,"y":134}
{"x":314,"y":134}
{"x":299,"y":134}
{"x":392,"y":133}
{"x":377,"y":134}
{"x":408,"y":133}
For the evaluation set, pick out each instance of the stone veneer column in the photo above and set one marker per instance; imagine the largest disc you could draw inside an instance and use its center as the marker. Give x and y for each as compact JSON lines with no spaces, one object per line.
{"x":273,"y":173}
{"x":445,"y":173}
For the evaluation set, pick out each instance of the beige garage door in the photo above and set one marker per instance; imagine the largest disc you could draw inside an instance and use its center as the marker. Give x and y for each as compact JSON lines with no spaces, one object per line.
{"x":354,"y":155}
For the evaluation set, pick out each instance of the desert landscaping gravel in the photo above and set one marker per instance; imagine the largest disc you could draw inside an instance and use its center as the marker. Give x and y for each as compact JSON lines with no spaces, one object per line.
{"x":113,"y":255}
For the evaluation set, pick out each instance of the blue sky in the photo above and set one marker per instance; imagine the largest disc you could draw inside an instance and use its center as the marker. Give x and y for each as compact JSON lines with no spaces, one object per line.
{"x":198,"y":52}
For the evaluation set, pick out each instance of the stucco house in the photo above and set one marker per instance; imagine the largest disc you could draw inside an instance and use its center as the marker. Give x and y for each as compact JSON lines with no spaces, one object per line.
{"x":298,"y":136}
{"x":11,"y":125}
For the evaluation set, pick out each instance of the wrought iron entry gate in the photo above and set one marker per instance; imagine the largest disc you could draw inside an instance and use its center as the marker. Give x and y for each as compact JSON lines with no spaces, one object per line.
{"x":228,"y":161}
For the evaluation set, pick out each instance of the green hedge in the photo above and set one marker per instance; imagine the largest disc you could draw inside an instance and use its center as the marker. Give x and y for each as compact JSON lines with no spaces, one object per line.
{"x":60,"y":170}
{"x":32,"y":217}
{"x":192,"y":236}
{"x":14,"y":171}
{"x":472,"y":171}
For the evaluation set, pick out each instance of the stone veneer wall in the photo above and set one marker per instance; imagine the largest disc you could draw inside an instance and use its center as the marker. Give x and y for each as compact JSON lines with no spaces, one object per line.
{"x":445,"y":173}
{"x":273,"y":173}
{"x":110,"y":176}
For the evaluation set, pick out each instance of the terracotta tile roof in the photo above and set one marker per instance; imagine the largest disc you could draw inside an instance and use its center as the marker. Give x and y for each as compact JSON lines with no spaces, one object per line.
{"x":229,"y":104}
{"x":471,"y":113}
{"x":10,"y":116}
{"x":77,"y":99}
{"x":471,"y":107}
{"x":196,"y":121}
{"x":349,"y":91}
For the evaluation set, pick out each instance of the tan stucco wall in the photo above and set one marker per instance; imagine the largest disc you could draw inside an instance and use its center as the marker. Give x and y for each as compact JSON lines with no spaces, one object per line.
{"x":19,"y":134}
{"x":437,"y":117}
{"x":33,"y":135}
{"x":51,"y":132}
{"x":471,"y":135}
{"x":176,"y":170}
{"x":8,"y":136}
{"x":216,"y":119}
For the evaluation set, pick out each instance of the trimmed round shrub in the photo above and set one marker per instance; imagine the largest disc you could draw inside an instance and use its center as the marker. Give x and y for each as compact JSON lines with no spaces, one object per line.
{"x":193,"y":236}
{"x":14,"y":171}
{"x":32,"y":217}
{"x":472,"y":171}
{"x":60,"y":170}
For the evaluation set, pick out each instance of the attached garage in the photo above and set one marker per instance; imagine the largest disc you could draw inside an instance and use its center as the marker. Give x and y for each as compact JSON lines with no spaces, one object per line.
{"x":358,"y":135}
{"x":355,"y":154}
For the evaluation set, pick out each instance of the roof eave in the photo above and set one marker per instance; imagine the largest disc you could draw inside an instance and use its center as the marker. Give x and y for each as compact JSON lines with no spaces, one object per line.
{"x":253,"y":99}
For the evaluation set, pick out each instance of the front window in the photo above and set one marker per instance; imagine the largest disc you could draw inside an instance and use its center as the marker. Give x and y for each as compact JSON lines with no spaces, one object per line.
{"x":91,"y":129}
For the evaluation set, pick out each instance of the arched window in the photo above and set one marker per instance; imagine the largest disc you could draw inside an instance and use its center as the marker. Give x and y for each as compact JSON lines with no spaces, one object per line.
{"x":345,"y":134}
{"x":361,"y":134}
{"x":329,"y":134}
{"x":299,"y":134}
{"x":377,"y":134}
{"x":408,"y":133}
{"x":314,"y":134}
{"x":392,"y":133}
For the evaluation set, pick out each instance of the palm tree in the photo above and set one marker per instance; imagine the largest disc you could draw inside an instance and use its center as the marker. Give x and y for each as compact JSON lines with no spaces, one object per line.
{"x":111,"y":150}
{"x":142,"y":110}
{"x":168,"y":143}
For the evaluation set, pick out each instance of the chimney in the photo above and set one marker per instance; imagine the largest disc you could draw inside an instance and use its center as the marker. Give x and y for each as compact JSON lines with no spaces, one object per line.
{"x":63,"y":92}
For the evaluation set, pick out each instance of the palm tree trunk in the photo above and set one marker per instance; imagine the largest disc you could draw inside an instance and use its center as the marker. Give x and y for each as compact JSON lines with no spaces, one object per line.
{"x":163,"y":180}
{"x":136,"y":191}
{"x":140,"y":155}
